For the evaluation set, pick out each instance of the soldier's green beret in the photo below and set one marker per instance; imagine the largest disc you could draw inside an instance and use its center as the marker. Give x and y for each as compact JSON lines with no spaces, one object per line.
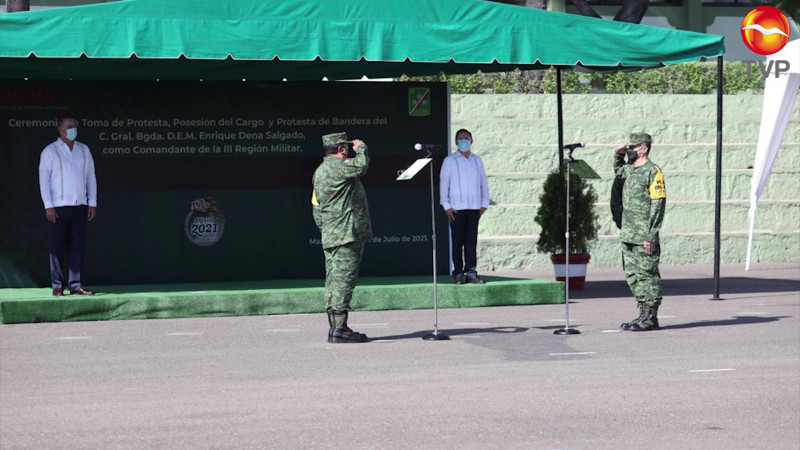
{"x":335,"y":139}
{"x":638,"y":138}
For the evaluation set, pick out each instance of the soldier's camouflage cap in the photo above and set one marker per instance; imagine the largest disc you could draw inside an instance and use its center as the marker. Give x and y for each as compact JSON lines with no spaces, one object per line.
{"x":335,"y":139}
{"x":638,"y":138}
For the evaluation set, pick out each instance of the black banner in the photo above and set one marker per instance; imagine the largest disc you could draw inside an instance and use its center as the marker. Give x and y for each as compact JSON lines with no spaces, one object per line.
{"x":211,"y":181}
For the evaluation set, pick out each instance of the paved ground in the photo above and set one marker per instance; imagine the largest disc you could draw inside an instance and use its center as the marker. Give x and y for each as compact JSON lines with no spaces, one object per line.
{"x":721,"y":374}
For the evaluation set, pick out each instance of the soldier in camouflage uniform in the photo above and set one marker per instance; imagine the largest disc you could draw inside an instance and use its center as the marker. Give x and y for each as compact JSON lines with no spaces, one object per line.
{"x":644,"y":198}
{"x":341,"y":212}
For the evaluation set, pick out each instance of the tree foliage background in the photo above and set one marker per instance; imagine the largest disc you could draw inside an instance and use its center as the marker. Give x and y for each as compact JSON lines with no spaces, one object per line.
{"x":687,"y":78}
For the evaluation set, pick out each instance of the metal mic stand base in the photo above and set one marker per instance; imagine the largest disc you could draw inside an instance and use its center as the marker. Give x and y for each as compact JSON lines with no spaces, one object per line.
{"x":436,"y":336}
{"x":567,"y":331}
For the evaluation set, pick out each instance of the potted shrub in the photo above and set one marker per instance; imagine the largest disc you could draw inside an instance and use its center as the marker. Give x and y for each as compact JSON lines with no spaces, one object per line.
{"x":582,"y":225}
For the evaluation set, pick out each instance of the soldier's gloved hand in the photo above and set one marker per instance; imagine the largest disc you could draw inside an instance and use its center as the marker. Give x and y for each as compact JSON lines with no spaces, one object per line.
{"x":357,"y":143}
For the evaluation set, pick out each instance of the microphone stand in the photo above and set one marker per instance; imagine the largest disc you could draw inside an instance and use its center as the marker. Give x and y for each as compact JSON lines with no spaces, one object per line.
{"x":567,"y":329}
{"x":436,"y":335}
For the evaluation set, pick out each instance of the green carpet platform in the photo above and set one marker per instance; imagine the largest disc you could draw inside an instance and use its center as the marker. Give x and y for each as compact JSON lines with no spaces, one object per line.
{"x":264,"y":298}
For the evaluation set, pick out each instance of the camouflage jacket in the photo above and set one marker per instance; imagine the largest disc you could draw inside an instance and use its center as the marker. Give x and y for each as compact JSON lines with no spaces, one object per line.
{"x":644,"y":200}
{"x":339,"y":201}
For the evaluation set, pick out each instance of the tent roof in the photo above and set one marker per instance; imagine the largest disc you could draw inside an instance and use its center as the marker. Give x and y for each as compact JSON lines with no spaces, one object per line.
{"x":306,"y":40}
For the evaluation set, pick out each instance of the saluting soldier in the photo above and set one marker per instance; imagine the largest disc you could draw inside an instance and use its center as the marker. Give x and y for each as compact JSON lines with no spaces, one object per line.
{"x":341,"y":212}
{"x":644,"y":199}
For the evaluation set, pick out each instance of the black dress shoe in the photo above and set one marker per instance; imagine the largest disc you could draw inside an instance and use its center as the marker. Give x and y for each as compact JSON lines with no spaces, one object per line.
{"x":473,"y":278}
{"x":458,"y":279}
{"x":58,"y":292}
{"x":81,"y":291}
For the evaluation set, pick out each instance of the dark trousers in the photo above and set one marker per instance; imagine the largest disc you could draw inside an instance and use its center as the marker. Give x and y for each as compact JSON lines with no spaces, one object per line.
{"x":464,"y":232}
{"x":66,"y":240}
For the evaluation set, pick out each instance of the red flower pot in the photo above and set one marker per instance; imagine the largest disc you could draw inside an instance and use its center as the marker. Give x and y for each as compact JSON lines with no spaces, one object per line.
{"x":577,"y":269}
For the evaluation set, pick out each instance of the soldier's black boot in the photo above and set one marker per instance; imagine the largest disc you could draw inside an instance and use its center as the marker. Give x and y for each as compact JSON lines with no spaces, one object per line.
{"x":650,"y":320}
{"x":341,"y":333}
{"x":627,"y":325}
{"x":330,"y":322}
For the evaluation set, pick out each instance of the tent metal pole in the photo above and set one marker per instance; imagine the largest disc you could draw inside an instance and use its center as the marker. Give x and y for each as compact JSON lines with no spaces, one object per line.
{"x":560,"y":107}
{"x":718,"y":193}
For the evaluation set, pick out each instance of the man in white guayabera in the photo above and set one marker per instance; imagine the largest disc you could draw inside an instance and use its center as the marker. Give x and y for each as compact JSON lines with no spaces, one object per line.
{"x":464,"y":195}
{"x":69,"y":192}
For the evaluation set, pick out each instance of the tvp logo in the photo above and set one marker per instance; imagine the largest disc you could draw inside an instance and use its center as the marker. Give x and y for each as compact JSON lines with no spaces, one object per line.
{"x":765,"y":30}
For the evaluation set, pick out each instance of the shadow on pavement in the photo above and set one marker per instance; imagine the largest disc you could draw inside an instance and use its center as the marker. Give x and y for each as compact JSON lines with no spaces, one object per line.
{"x":557,"y":327}
{"x":690,"y":286}
{"x":736,"y":320}
{"x":453,"y":332}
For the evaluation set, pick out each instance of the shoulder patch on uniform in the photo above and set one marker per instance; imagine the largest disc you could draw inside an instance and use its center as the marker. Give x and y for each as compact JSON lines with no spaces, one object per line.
{"x":658,"y":189}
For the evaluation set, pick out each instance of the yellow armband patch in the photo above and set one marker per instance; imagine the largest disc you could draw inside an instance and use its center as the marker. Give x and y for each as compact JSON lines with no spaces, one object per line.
{"x":657,"y":188}
{"x":314,"y":197}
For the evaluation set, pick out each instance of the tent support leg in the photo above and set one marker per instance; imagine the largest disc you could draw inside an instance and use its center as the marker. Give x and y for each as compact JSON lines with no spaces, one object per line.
{"x":718,"y":193}
{"x":560,"y":106}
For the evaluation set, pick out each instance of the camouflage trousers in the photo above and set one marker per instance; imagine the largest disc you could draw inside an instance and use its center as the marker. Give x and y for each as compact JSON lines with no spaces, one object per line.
{"x":641,"y":273}
{"x":342,"y":264}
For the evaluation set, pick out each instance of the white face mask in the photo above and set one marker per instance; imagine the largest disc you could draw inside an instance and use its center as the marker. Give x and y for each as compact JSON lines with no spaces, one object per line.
{"x":72,"y":133}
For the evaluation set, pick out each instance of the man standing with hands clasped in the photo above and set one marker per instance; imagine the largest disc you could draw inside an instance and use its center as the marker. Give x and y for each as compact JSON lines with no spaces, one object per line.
{"x":464,"y":195}
{"x":644,"y":199}
{"x":341,"y":212}
{"x":69,"y":192}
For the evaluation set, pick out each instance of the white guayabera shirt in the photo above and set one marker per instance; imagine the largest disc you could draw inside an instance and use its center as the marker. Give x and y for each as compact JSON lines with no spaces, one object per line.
{"x":462,"y":183}
{"x":66,"y":177}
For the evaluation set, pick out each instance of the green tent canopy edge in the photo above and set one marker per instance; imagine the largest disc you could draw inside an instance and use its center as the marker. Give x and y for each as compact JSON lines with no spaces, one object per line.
{"x":308,"y":40}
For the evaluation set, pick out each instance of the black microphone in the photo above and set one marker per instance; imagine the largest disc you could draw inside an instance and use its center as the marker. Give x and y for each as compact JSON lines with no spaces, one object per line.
{"x":426,"y":147}
{"x":575,"y":145}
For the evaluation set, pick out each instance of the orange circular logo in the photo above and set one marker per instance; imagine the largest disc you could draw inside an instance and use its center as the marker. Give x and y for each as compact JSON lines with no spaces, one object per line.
{"x":765,"y":30}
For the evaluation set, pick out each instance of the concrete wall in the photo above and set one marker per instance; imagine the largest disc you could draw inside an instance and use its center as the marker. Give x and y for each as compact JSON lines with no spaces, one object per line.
{"x":517,"y":137}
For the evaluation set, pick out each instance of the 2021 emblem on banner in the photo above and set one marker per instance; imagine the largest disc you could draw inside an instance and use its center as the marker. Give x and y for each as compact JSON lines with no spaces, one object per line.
{"x":205,"y":222}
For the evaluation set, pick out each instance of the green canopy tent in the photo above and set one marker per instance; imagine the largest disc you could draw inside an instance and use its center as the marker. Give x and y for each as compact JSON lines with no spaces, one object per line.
{"x":338,"y":39}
